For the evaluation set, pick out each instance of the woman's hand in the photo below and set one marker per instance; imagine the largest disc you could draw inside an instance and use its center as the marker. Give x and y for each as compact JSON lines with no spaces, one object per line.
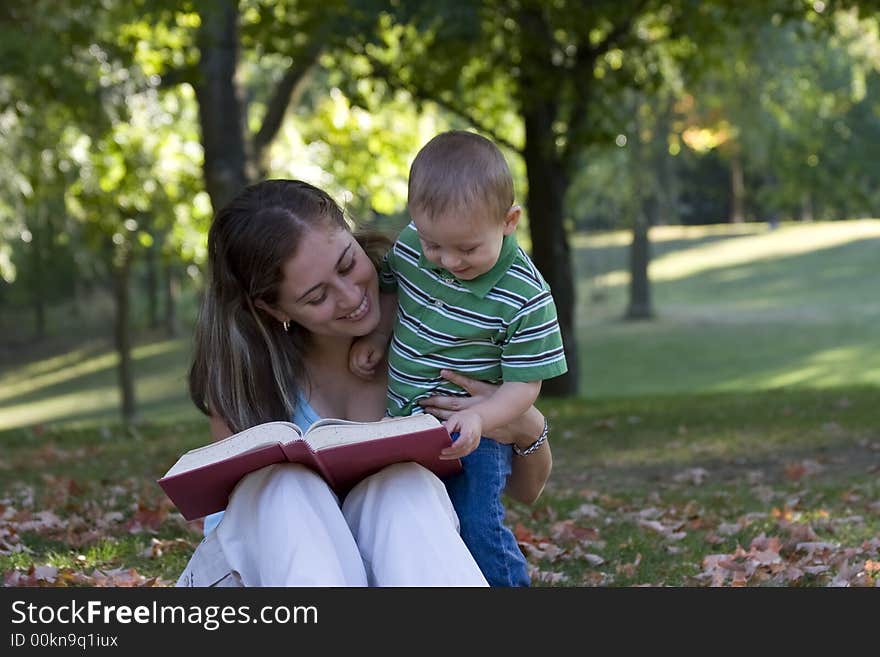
{"x":444,"y":406}
{"x":531,"y":472}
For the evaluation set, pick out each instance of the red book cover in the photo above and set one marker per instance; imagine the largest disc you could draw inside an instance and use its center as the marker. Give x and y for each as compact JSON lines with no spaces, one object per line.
{"x":344,"y":453}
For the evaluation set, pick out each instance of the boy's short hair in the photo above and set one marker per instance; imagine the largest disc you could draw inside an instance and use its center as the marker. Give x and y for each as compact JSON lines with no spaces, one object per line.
{"x":456,"y":171}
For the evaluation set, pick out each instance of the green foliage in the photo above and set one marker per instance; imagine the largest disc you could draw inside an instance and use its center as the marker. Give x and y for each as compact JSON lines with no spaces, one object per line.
{"x":796,"y":96}
{"x":112,"y":163}
{"x":47,"y":57}
{"x":99,"y":119}
{"x":791,"y":96}
{"x":362,"y":145}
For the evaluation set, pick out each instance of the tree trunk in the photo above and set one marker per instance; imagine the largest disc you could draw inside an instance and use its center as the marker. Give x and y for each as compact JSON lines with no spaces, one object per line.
{"x":38,"y":272}
{"x":152,"y":284}
{"x":645,"y":207}
{"x":737,"y":190}
{"x":550,"y":249}
{"x":172,"y":293}
{"x":80,"y":287}
{"x":76,"y":309}
{"x":122,"y":335}
{"x":669,"y":187}
{"x":640,"y":306}
{"x":220,"y":104}
{"x":806,"y":207}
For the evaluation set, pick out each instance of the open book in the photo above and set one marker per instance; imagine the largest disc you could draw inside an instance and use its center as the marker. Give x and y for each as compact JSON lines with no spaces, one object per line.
{"x":342,"y":452}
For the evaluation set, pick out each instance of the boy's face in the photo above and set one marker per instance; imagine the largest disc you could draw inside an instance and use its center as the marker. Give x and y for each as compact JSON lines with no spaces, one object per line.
{"x":466,"y":244}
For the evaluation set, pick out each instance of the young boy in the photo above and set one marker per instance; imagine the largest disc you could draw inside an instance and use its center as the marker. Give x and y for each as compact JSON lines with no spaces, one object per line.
{"x":469,"y":300}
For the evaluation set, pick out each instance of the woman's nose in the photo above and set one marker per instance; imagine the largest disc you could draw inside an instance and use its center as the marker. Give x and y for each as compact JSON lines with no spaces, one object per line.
{"x":352,"y":294}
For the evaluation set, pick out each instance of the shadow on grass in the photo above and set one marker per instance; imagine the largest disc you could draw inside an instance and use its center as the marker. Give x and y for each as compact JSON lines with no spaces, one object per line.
{"x":649,"y":440}
{"x":809,"y":320}
{"x":599,"y":260}
{"x":84,"y":387}
{"x":835,"y":276}
{"x":669,"y":358}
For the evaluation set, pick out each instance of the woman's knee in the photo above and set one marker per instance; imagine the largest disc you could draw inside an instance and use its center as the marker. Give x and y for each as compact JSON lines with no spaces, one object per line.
{"x":401,"y":489}
{"x":283,"y":478}
{"x":408,"y":471}
{"x":408,"y":476}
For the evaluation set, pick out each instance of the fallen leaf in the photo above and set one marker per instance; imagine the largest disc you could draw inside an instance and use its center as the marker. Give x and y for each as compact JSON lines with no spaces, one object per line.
{"x":629,"y":569}
{"x":695,"y":476}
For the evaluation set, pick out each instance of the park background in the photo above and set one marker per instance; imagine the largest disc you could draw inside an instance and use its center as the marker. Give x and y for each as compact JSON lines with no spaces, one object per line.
{"x":700,"y":186}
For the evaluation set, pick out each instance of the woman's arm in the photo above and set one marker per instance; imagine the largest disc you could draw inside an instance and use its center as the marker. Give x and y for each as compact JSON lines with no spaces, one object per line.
{"x":530,"y":472}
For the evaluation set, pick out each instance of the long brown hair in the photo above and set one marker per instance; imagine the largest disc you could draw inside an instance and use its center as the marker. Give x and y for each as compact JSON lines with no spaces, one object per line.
{"x":246,"y":369}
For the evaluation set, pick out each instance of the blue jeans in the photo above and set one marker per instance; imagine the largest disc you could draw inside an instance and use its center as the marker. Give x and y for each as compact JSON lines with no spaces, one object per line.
{"x":476,"y":495}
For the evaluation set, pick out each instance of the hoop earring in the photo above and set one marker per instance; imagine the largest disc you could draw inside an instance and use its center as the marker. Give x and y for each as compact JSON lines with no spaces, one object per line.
{"x":286,"y":325}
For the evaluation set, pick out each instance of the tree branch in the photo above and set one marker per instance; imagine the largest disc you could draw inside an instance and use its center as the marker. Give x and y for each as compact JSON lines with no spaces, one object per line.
{"x":582,"y":76}
{"x":288,"y":91}
{"x":617,"y":33}
{"x":176,"y":76}
{"x":383,"y":71}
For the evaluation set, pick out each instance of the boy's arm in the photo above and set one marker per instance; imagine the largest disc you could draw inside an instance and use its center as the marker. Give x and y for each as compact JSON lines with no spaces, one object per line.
{"x":368,"y":351}
{"x":512,"y":399}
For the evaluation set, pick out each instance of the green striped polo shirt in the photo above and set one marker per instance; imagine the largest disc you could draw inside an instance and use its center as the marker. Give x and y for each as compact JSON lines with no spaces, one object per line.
{"x":500,"y":326}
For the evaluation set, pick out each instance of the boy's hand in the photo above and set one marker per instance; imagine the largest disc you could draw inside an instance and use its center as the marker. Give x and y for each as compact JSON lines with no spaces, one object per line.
{"x":469,"y":426}
{"x":365,"y":354}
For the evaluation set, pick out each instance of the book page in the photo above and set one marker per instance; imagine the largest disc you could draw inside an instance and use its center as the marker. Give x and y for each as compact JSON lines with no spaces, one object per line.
{"x":268,"y":433}
{"x":331,"y":431}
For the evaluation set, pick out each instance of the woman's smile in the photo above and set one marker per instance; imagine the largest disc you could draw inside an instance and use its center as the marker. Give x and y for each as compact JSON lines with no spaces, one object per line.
{"x":360,"y":312}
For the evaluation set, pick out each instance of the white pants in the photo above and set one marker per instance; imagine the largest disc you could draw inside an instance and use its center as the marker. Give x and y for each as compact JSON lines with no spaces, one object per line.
{"x":284,"y":527}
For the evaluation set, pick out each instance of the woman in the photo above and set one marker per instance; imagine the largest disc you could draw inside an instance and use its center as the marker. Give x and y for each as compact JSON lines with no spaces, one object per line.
{"x":291,"y":287}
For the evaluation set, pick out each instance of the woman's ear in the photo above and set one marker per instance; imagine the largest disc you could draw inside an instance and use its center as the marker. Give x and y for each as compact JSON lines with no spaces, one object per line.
{"x":274,"y":312}
{"x":512,"y":219}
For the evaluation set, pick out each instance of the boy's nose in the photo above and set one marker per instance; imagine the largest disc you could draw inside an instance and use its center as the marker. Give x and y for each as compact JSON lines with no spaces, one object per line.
{"x":450,"y":261}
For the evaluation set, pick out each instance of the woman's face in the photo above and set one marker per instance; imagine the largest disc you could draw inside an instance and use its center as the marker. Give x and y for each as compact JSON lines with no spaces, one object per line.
{"x":330,"y":287}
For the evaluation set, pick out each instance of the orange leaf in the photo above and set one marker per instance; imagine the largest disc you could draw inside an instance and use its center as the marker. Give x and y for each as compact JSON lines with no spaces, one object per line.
{"x":523,"y":534}
{"x":795,"y":471}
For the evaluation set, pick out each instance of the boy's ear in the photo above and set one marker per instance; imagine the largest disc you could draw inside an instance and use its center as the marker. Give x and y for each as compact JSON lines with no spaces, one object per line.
{"x":512,"y":219}
{"x":274,"y":312}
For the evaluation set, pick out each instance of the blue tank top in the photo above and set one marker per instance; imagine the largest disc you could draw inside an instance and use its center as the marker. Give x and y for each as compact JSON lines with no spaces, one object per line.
{"x":304,"y":417}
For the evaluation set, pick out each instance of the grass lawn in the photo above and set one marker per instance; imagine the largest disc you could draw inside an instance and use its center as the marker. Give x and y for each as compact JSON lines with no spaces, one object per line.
{"x":738,"y":308}
{"x":649,"y":488}
{"x":735,"y":440}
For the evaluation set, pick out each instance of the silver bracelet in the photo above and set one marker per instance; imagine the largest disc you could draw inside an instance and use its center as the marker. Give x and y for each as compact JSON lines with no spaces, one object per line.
{"x":535,"y":445}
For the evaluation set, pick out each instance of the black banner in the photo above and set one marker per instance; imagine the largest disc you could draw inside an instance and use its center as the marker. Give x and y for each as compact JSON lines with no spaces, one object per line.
{"x":78,"y":620}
